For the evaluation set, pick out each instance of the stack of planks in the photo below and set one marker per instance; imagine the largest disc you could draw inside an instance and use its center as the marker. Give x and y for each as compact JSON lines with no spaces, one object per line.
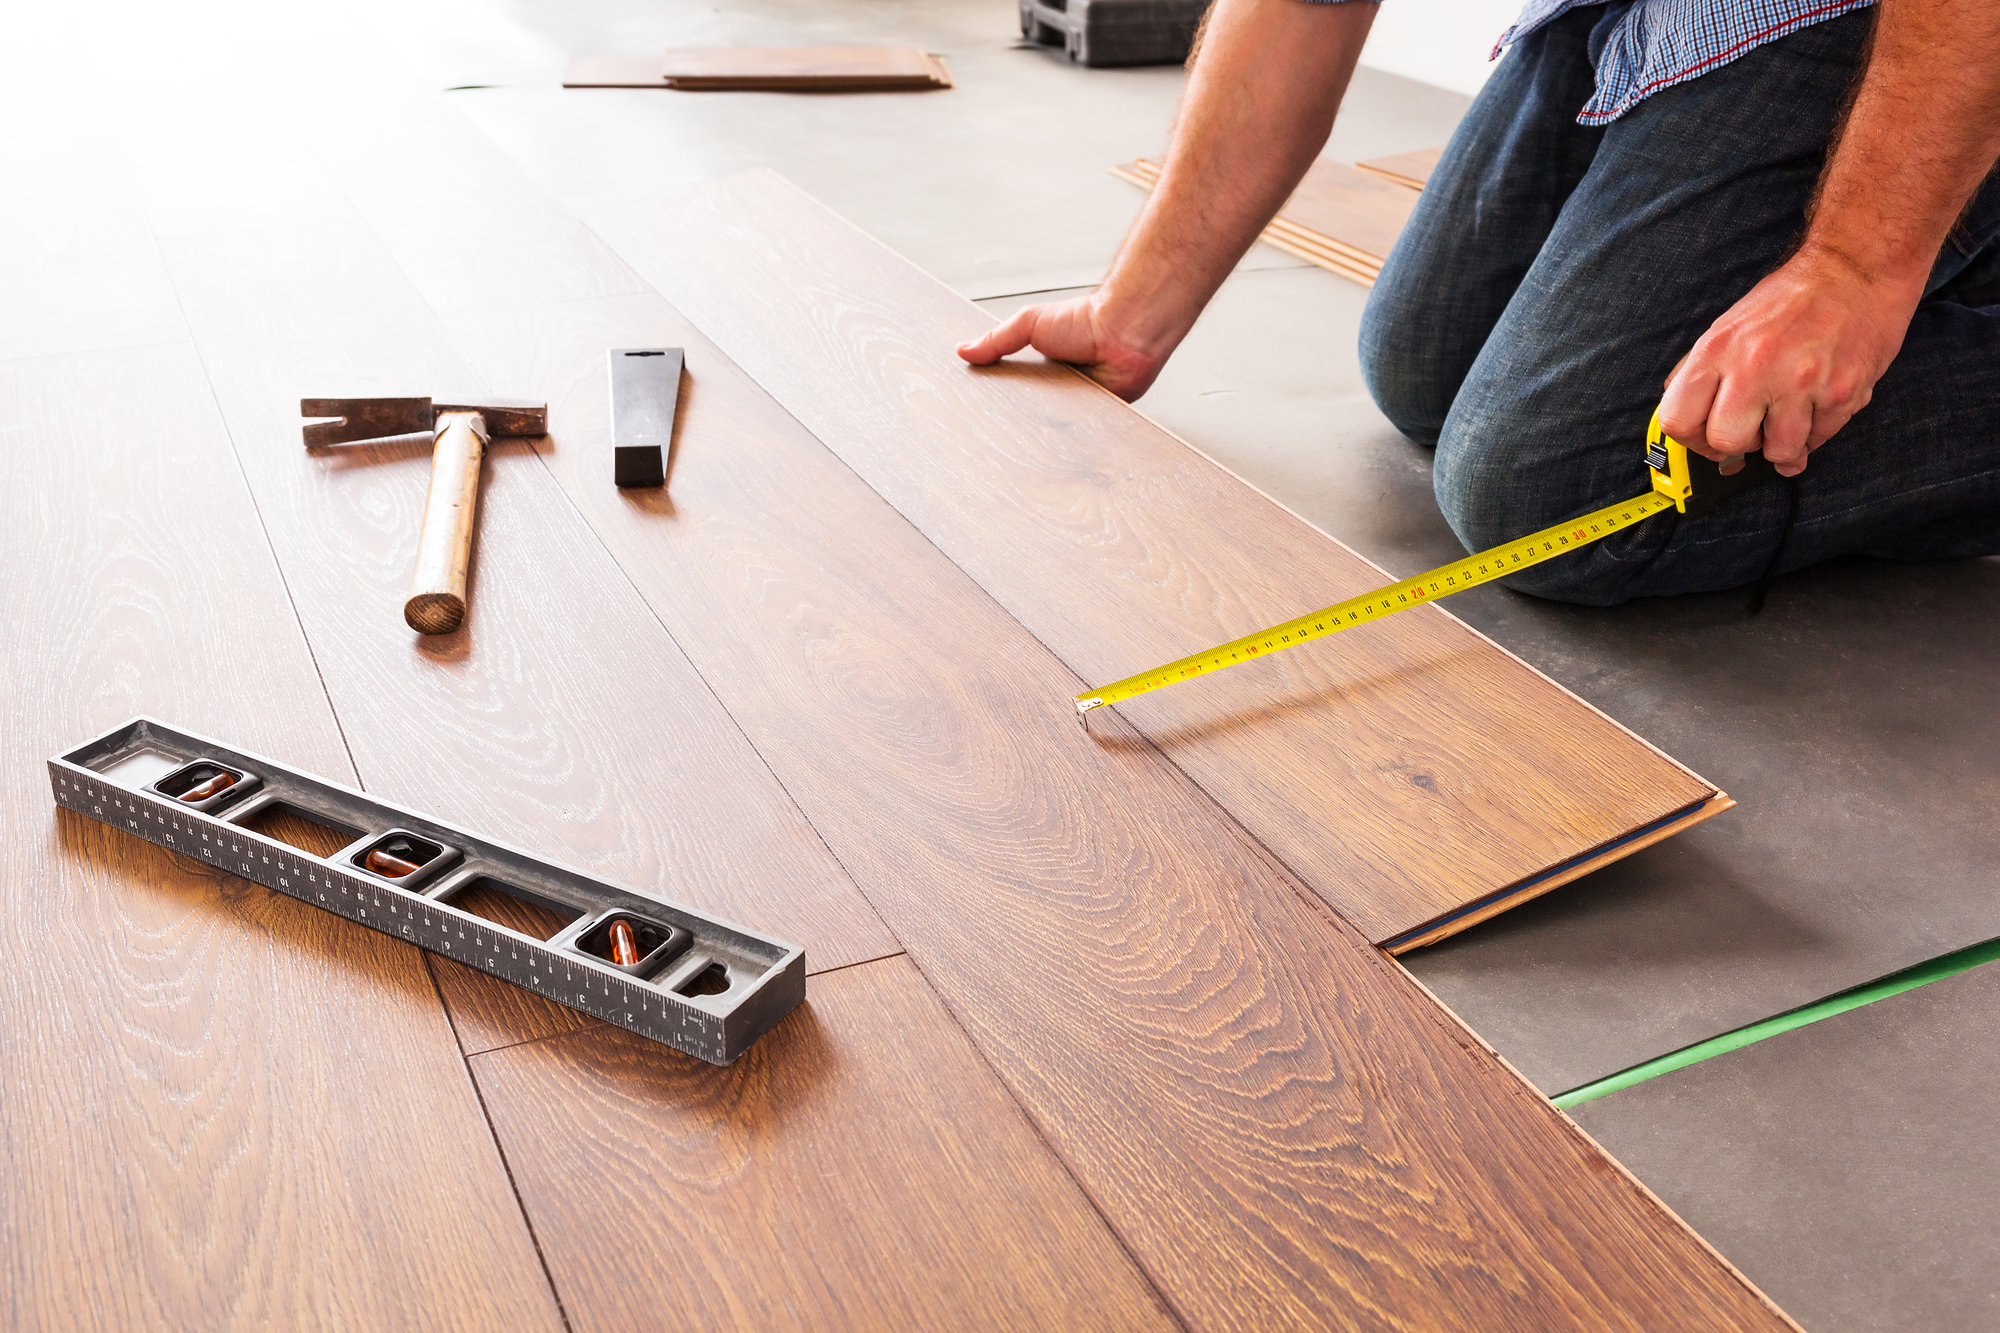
{"x":1342,"y":218}
{"x":825,"y":69}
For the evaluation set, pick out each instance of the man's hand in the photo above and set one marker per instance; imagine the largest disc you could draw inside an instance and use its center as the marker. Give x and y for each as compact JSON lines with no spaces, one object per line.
{"x":1788,"y":364}
{"x":1260,"y":100}
{"x":1078,"y":332}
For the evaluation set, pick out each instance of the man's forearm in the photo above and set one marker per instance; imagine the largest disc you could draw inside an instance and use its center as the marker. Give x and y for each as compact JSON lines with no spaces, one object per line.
{"x":1260,"y":102}
{"x":1923,"y":131}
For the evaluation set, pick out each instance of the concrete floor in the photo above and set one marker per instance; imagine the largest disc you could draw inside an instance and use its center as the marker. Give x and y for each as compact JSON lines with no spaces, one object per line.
{"x":1855,"y":719}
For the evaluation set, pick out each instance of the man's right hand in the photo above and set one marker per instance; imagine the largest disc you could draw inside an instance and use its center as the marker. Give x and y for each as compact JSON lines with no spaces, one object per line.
{"x":1079,"y":332}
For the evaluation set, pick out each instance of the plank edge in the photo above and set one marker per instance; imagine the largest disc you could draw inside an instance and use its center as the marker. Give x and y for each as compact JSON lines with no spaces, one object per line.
{"x":1706,"y":807}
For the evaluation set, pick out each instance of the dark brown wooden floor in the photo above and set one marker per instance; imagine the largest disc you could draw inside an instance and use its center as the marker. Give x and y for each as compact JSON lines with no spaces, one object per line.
{"x":1131,"y":1071}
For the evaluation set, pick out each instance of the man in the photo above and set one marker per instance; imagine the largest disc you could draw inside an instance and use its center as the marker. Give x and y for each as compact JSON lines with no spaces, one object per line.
{"x":1779,"y":209}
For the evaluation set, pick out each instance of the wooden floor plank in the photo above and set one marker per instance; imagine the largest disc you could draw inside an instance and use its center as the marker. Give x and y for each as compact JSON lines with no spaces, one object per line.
{"x":510,"y":241}
{"x":1352,"y":207}
{"x":223,"y":1109}
{"x":561,"y":717}
{"x":1412,"y":169}
{"x":1404,"y":770}
{"x":859,"y":1168}
{"x":78,"y":266}
{"x":1284,"y":1129}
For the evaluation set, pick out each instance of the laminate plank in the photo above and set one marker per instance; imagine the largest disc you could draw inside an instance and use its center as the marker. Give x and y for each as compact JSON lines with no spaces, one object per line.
{"x":1412,"y":169}
{"x":561,"y":718}
{"x":802,"y":69}
{"x":1282,"y":1127}
{"x":787,"y":65}
{"x":1405,"y":771}
{"x":223,"y":1109}
{"x":78,"y":266}
{"x":1353,"y":216}
{"x":1357,"y":208}
{"x":468,"y":226}
{"x":859,"y":1167}
{"x":1309,"y":246}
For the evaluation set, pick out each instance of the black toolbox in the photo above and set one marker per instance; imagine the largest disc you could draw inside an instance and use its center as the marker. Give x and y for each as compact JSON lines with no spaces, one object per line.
{"x":1115,"y":32}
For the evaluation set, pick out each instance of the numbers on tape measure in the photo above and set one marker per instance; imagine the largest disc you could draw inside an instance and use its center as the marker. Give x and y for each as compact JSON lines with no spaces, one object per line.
{"x":1483,"y":567}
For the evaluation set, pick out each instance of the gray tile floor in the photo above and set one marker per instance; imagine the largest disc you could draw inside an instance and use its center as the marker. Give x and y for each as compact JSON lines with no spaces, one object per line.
{"x":1844,"y":1165}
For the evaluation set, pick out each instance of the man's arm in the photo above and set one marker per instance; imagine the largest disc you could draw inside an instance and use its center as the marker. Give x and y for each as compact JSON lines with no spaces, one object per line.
{"x":1789,"y":364}
{"x":1259,"y":104}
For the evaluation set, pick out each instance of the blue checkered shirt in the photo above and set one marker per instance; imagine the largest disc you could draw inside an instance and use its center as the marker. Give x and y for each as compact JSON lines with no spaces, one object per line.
{"x":1659,"y":43}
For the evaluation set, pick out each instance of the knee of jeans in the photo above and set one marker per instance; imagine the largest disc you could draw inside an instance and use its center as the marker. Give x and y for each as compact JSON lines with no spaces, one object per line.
{"x":1493,"y":489}
{"x":1402,"y":384}
{"x":1487,"y":484}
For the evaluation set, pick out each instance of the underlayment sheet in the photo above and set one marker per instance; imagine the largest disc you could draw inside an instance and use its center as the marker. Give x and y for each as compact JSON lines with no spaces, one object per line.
{"x":998,"y":185}
{"x":1846,"y":1167}
{"x":1854,"y":721}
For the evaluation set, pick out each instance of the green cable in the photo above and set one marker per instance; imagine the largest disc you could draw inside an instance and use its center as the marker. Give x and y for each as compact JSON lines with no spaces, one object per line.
{"x":1936,"y":969}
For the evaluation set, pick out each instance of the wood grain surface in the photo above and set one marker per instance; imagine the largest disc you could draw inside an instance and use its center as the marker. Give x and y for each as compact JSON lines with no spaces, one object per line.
{"x":774,"y":67}
{"x":1402,"y":772}
{"x":223,"y":1109}
{"x":561,"y":717}
{"x":1279,"y":1126}
{"x":1339,"y":214}
{"x":469,"y":228}
{"x":78,"y":266}
{"x":1283,"y":1128}
{"x":1412,"y":169}
{"x":1318,"y":247}
{"x":1357,"y":208}
{"x":990,"y":1212}
{"x":858,"y":1168}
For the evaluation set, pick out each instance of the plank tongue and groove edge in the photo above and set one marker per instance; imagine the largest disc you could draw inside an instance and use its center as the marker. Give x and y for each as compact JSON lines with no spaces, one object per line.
{"x":1283,"y":1128}
{"x":1418,"y":777}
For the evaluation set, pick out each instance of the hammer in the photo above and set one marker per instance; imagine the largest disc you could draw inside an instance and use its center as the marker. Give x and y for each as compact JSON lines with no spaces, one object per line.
{"x":459,"y":431}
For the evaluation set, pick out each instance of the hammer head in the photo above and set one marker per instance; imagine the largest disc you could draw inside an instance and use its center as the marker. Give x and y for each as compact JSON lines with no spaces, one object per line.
{"x":359,"y":419}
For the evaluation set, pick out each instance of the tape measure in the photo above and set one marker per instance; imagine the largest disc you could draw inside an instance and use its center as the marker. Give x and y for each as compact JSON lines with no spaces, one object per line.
{"x":1667,"y":459}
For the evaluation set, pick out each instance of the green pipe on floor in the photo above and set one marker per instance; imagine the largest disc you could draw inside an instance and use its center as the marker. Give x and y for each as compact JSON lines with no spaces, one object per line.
{"x":1937,"y":969}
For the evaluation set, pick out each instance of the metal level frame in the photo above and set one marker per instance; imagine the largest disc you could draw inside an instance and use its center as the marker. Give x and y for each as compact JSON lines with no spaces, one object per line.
{"x":702,"y":985}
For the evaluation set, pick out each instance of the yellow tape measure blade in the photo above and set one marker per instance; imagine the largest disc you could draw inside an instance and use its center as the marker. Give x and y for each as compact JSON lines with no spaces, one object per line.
{"x":1443,"y":581}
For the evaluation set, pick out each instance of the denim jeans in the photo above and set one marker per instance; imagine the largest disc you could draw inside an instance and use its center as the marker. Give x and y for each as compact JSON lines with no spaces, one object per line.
{"x":1552,"y":275}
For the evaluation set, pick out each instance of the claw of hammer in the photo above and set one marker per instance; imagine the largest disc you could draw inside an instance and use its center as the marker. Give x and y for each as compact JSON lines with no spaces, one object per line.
{"x":357,"y":420}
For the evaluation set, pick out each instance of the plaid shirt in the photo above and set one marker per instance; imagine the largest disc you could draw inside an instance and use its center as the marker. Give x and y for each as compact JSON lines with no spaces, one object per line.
{"x":1659,"y":43}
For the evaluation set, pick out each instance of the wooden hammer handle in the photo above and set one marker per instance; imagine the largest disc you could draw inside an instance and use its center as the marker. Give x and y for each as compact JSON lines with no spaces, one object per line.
{"x":437,"y":594}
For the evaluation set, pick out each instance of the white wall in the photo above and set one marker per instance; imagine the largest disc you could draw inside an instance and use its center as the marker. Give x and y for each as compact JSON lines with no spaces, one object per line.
{"x":1441,"y":42}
